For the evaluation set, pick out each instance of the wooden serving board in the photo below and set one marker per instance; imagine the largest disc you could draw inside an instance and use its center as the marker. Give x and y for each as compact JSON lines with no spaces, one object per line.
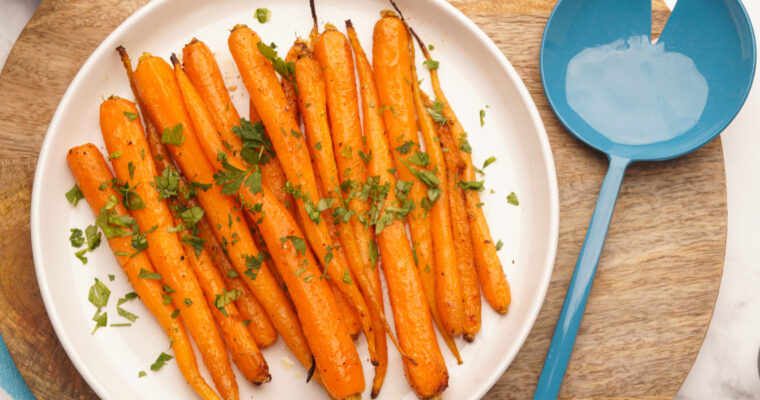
{"x":656,"y":285}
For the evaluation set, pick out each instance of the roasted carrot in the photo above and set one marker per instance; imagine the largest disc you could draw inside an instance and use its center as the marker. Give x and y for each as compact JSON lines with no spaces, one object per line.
{"x":203,"y":71}
{"x":164,"y":247}
{"x":157,"y":87}
{"x":90,"y":171}
{"x":262,"y":84}
{"x":393,"y":77}
{"x":288,"y":88}
{"x":448,"y":289}
{"x":428,"y":375}
{"x":332,"y":50}
{"x":461,"y":231}
{"x":336,"y":358}
{"x":493,"y":281}
{"x":260,"y":326}
{"x":240,"y":344}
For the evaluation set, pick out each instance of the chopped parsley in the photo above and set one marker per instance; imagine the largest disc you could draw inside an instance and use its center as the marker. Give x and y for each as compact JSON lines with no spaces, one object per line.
{"x":231,"y":273}
{"x":173,"y":135}
{"x":471,"y":185}
{"x":145,"y":274}
{"x":499,"y":245}
{"x":419,"y":158}
{"x":130,"y":115}
{"x":346,"y":277}
{"x":436,"y":112}
{"x":285,"y":69}
{"x":167,"y":185}
{"x":489,"y":161}
{"x":431,"y":64}
{"x":263,"y":14}
{"x":99,"y":294}
{"x":76,"y":238}
{"x":482,"y":117}
{"x":195,"y":242}
{"x":512,"y":199}
{"x":298,"y":243}
{"x":160,"y":361}
{"x":114,"y":155}
{"x":74,"y":195}
{"x":226,"y":298}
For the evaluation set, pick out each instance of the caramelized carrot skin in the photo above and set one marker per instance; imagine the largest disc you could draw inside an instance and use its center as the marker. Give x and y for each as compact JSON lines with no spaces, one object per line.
{"x":164,"y":249}
{"x":90,"y":170}
{"x":158,"y":88}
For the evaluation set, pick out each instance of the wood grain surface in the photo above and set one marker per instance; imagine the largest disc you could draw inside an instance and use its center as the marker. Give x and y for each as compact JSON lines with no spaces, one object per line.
{"x":656,"y":285}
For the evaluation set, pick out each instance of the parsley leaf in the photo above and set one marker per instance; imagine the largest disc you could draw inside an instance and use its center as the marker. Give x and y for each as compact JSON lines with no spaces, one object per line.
{"x":74,"y":195}
{"x":191,"y":216}
{"x":489,"y":161}
{"x":76,"y":238}
{"x":366,"y":158}
{"x":230,"y":178}
{"x":425,"y":176}
{"x":263,"y":14}
{"x":431,"y":64}
{"x":471,"y":185}
{"x":512,"y":199}
{"x":173,"y":135}
{"x":160,"y":361}
{"x":419,"y":158}
{"x":499,"y":245}
{"x":99,"y":294}
{"x":436,"y":112}
{"x":167,"y":185}
{"x":482,"y":117}
{"x":225,"y":298}
{"x":298,"y":243}
{"x":130,"y":115}
{"x":346,"y":277}
{"x":114,"y":155}
{"x":254,"y":264}
{"x":145,"y":274}
{"x":285,"y":69}
{"x":93,"y":237}
{"x":195,"y":242}
{"x":101,"y":319}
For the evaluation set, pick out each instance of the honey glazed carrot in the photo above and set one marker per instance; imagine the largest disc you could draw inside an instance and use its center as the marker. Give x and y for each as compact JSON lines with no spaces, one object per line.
{"x":262,"y":84}
{"x":260,"y":326}
{"x":90,"y":171}
{"x":448,"y":288}
{"x":157,"y":87}
{"x":164,"y":247}
{"x":493,"y":281}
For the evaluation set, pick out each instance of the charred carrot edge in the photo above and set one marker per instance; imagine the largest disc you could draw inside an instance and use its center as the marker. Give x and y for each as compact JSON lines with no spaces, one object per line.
{"x":393,"y":79}
{"x":448,"y":288}
{"x":336,"y":358}
{"x":262,"y":84}
{"x":90,"y":170}
{"x":157,"y":87}
{"x":414,"y":325}
{"x":493,"y":281}
{"x":461,"y":231}
{"x":260,"y":326}
{"x":165,"y":249}
{"x":339,"y":365}
{"x":203,"y":71}
{"x":333,"y":52}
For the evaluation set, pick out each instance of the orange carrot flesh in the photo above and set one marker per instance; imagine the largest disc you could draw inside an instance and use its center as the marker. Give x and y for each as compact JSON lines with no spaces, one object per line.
{"x":493,"y":281}
{"x":90,"y":170}
{"x":288,"y":88}
{"x":333,"y":51}
{"x":336,"y":358}
{"x":204,"y":73}
{"x":157,"y":87}
{"x":428,"y":377}
{"x":165,"y":249}
{"x":262,"y":84}
{"x":393,"y":77}
{"x":350,"y":316}
{"x":448,"y":288}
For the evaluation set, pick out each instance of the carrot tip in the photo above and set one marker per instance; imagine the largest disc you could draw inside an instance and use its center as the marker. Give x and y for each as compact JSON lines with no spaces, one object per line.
{"x":238,"y":26}
{"x":174,"y":59}
{"x":388,"y":13}
{"x":145,"y":55}
{"x":349,"y":24}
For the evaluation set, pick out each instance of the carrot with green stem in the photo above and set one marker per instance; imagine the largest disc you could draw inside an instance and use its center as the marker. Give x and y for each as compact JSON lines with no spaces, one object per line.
{"x":493,"y":281}
{"x":461,"y":231}
{"x":448,"y":288}
{"x":158,"y":89}
{"x":163,"y":245}
{"x":90,"y":171}
{"x":262,"y":84}
{"x":260,"y":326}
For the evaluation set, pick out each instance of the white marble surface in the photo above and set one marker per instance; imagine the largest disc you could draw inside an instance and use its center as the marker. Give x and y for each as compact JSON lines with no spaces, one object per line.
{"x":727,"y":365}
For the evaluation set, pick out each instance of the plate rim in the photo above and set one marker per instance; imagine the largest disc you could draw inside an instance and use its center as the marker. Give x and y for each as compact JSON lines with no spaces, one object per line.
{"x":548,"y":160}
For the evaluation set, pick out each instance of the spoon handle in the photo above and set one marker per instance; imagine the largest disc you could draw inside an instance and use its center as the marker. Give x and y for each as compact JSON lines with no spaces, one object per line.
{"x":577,"y":294}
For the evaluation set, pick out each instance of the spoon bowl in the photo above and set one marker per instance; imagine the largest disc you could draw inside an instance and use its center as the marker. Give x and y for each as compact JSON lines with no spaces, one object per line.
{"x":634,"y":99}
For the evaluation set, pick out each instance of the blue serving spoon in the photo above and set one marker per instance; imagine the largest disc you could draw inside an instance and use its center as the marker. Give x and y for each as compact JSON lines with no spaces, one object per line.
{"x":633,"y":100}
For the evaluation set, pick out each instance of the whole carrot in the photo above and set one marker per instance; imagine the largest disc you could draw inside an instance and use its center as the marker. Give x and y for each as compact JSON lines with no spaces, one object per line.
{"x":260,"y":327}
{"x":203,"y":71}
{"x":393,"y":77}
{"x":332,"y":50}
{"x":493,"y":281}
{"x":448,"y":288}
{"x":428,"y":375}
{"x":461,"y":230}
{"x":90,"y":171}
{"x":164,"y":247}
{"x":262,"y":84}
{"x":157,"y":87}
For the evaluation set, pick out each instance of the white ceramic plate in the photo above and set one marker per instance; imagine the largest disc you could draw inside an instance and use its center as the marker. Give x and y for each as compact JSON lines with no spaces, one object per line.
{"x":475,"y":75}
